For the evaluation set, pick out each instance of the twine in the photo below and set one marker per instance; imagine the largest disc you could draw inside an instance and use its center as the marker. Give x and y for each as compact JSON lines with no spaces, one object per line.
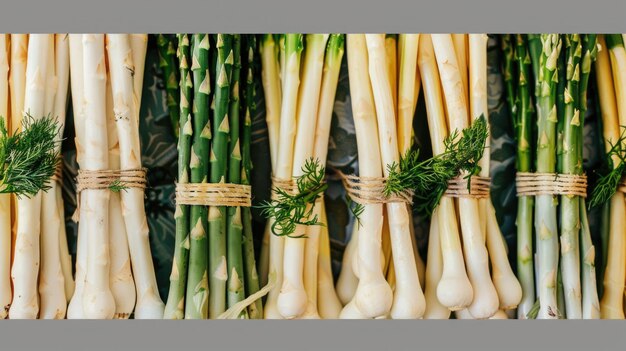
{"x":287,"y":185}
{"x":370,"y":190}
{"x":479,"y":187}
{"x":531,"y":184}
{"x":214,"y":194}
{"x":104,"y":179}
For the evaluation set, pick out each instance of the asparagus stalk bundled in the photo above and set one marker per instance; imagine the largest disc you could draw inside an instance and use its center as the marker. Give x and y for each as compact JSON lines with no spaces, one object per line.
{"x":5,"y":199}
{"x":168,"y":63}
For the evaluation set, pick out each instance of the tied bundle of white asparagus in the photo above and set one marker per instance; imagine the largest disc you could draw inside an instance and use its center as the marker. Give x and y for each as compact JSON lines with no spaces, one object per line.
{"x":473,"y":276}
{"x":114,"y":273}
{"x":300,"y":75}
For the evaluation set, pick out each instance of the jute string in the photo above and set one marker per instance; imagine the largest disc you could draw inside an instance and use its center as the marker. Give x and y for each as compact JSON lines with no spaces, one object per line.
{"x":104,"y":179}
{"x":531,"y":184}
{"x":370,"y":190}
{"x":287,"y":185}
{"x":214,"y":194}
{"x":478,"y":187}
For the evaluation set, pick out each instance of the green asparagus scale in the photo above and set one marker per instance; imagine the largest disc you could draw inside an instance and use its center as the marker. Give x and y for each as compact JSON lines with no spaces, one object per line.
{"x":523,"y":117}
{"x":571,"y":162}
{"x":196,"y":306}
{"x":175,"y":307}
{"x":171,"y":74}
{"x":546,"y":205}
{"x":590,"y":300}
{"x":255,"y":310}
{"x":218,"y":267}
{"x":236,"y":285}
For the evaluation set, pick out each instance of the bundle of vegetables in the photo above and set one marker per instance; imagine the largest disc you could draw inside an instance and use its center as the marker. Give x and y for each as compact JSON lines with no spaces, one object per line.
{"x":214,"y":269}
{"x":299,"y":252}
{"x":39,"y":263}
{"x":564,"y":277}
{"x":610,"y":72}
{"x":114,"y":273}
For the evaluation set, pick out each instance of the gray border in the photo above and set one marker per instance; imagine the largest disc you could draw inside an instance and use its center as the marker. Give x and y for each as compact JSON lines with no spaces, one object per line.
{"x":250,"y":16}
{"x":312,"y":335}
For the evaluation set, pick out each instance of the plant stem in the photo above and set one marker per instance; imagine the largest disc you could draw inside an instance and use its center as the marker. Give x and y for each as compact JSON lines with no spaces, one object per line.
{"x":175,"y":307}
{"x":218,"y":271}
{"x":196,"y":306}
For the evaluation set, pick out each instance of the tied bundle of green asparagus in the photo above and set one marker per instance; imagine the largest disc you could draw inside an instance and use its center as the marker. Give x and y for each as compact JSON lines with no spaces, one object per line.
{"x":214,"y":267}
{"x":546,"y":78}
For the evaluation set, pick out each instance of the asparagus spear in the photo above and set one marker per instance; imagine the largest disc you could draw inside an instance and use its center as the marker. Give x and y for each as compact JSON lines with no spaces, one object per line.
{"x":236,"y":290}
{"x":590,"y":303}
{"x":571,"y":164}
{"x":197,"y":280}
{"x":545,"y":210}
{"x":509,"y":43}
{"x":523,"y":119}
{"x":255,"y":311}
{"x":167,"y":62}
{"x":219,"y":159}
{"x":175,"y":307}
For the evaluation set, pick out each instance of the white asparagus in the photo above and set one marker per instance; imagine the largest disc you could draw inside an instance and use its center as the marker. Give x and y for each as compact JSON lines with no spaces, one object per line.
{"x":348,"y":280}
{"x":454,"y":289}
{"x":485,"y":302}
{"x":139,"y":47}
{"x":373,"y":297}
{"x":408,"y":299}
{"x":51,"y":279}
{"x":120,"y":275}
{"x":98,"y":301}
{"x":25,"y":270}
{"x":149,"y":304}
{"x":461,"y":48}
{"x":391,"y":54}
{"x":270,"y":78}
{"x":611,"y":90}
{"x":5,"y":199}
{"x":293,"y":300}
{"x":75,"y":307}
{"x":434,"y":309}
{"x":406,"y":89}
{"x":17,"y":79}
{"x":317,"y":258}
{"x":290,"y":83}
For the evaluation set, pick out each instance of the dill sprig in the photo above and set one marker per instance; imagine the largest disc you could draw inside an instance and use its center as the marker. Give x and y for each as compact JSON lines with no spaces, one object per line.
{"x":607,"y":184}
{"x":117,"y":185}
{"x":290,"y":210}
{"x":429,"y":178}
{"x":29,"y":158}
{"x":356,"y":209}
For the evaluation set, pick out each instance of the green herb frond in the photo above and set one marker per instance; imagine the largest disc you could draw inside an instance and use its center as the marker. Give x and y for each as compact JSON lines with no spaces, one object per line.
{"x":607,"y":183}
{"x":429,"y":178}
{"x":356,"y":209}
{"x":117,"y":185}
{"x":29,"y":158}
{"x":289,"y":210}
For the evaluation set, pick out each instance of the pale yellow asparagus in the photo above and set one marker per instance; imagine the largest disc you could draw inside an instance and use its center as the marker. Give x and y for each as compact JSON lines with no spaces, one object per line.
{"x":453,"y":287}
{"x":293,"y":300}
{"x":17,"y":79}
{"x":98,"y":301}
{"x":317,"y":258}
{"x":75,"y":307}
{"x":434,"y":309}
{"x":270,"y":78}
{"x":373,"y":296}
{"x":391,"y":54}
{"x":406,"y":89}
{"x":139,"y":48}
{"x":348,"y":280}
{"x":284,"y":165}
{"x":25,"y":269}
{"x":122,"y":53}
{"x":408,"y":296}
{"x":461,"y":50}
{"x":485,"y":302}
{"x":611,"y":304}
{"x":53,"y":302}
{"x":120,"y":275}
{"x":5,"y":199}
{"x":62,"y":67}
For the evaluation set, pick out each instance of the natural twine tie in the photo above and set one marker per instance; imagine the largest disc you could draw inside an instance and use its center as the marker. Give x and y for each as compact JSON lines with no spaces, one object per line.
{"x":531,"y":184}
{"x":214,"y":194}
{"x":478,"y":187}
{"x":370,"y":190}
{"x":287,"y":185}
{"x":106,"y":179}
